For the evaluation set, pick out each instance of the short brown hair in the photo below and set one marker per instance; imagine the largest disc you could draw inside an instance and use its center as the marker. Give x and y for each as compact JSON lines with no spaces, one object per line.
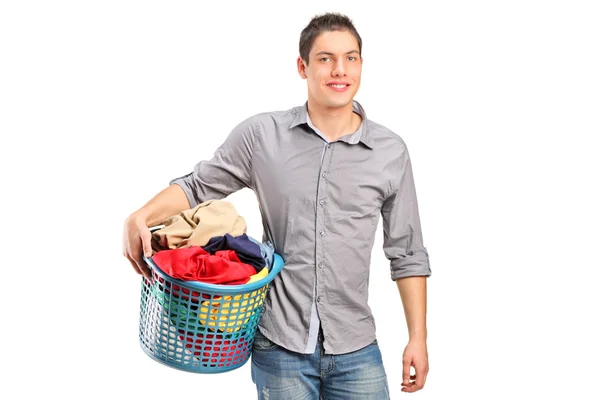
{"x":325,"y":23}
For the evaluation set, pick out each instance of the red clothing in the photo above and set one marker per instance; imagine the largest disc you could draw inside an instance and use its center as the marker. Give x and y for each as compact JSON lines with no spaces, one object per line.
{"x":211,"y":347}
{"x":195,"y":264}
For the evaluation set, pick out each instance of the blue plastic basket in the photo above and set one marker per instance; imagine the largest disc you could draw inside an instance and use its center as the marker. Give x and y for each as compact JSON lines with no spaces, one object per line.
{"x":200,"y":327}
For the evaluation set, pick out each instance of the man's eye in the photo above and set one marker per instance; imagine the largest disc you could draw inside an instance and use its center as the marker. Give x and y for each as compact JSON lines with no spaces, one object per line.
{"x":352,"y":58}
{"x":324,"y":59}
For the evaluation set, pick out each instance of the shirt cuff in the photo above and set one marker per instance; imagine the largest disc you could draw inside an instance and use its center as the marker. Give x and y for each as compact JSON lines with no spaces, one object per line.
{"x":184,"y":183}
{"x":414,"y":263}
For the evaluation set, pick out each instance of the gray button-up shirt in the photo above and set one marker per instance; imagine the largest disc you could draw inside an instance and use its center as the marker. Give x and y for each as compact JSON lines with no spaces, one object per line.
{"x":320,"y":204}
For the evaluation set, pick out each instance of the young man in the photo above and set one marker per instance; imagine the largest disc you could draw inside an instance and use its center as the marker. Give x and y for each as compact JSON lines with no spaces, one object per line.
{"x":323,"y":174}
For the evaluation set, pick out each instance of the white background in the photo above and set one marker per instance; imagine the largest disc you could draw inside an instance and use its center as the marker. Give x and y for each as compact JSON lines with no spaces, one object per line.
{"x":102,"y":103}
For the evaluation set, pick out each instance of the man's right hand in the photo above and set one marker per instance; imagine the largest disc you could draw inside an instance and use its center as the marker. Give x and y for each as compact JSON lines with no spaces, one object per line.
{"x":137,"y":236}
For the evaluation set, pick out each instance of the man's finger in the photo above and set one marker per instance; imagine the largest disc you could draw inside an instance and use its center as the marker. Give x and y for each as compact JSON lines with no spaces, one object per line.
{"x":144,"y":268}
{"x":425,"y":372}
{"x":406,"y":371}
{"x":409,"y":388}
{"x":420,"y":380}
{"x":140,"y":264}
{"x":411,"y":381}
{"x":146,"y":238}
{"x":147,"y":243}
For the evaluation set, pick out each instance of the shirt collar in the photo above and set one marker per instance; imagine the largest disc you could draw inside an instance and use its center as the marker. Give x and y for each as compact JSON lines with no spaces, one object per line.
{"x":361,"y":135}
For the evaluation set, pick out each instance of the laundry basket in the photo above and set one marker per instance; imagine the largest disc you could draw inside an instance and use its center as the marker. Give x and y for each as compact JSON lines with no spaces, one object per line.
{"x":200,"y":327}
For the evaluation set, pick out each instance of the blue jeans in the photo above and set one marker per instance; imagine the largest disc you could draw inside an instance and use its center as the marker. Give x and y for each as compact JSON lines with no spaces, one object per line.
{"x":280,"y":374}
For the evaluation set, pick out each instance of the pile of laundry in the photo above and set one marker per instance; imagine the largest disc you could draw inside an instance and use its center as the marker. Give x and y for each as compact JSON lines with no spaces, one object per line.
{"x":209,"y":244}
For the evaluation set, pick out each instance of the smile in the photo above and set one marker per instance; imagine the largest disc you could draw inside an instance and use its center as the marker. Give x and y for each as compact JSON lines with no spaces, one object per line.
{"x":339,"y":87}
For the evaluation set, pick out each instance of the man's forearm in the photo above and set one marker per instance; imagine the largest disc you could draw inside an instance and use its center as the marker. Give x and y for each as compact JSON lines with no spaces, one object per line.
{"x":413,"y":292}
{"x":170,"y":201}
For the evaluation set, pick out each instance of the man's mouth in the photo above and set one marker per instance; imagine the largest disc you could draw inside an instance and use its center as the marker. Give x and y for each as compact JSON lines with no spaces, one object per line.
{"x":339,"y":87}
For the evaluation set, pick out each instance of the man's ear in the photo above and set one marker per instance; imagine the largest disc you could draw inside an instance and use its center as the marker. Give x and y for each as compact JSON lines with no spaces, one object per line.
{"x":301,"y":67}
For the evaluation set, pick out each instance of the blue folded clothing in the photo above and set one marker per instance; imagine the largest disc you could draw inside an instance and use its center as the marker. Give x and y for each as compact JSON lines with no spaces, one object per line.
{"x":267,"y":251}
{"x":247,"y":251}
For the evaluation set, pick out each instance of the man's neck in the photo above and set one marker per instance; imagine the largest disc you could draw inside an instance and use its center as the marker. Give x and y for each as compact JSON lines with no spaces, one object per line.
{"x":334,"y":122}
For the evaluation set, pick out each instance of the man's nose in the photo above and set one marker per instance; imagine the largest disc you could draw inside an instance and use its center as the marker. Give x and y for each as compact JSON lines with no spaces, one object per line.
{"x":339,"y":68}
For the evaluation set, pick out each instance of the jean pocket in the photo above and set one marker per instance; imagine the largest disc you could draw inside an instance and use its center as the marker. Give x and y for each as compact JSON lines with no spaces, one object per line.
{"x":261,"y":343}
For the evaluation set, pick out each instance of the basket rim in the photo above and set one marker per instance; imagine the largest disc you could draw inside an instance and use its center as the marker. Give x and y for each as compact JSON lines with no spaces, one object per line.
{"x":278,"y":265}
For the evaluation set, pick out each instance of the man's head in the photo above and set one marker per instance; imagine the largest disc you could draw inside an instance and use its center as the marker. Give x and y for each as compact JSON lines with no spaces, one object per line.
{"x":330,"y":59}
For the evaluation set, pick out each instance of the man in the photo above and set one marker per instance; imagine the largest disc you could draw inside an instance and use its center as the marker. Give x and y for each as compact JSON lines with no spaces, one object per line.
{"x":323,"y":174}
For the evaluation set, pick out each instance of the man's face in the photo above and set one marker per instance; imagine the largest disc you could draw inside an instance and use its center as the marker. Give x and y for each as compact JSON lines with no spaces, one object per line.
{"x":334,"y":68}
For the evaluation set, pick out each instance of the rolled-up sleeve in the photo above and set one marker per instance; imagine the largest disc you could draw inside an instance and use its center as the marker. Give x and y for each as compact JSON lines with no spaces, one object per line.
{"x":402,"y":236}
{"x":229,"y":170}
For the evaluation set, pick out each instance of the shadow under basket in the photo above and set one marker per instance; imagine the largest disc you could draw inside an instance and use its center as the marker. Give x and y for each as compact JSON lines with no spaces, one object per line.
{"x":199,"y":327}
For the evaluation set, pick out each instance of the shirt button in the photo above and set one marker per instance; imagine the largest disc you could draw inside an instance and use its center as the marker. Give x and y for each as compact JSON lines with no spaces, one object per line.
{"x":322,"y":233}
{"x":321,"y":202}
{"x":324,"y":174}
{"x":318,"y":299}
{"x":320,"y":265}
{"x":328,"y":146}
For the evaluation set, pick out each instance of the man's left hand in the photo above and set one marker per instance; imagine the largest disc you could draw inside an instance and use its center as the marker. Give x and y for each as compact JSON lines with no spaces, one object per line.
{"x":415,"y":355}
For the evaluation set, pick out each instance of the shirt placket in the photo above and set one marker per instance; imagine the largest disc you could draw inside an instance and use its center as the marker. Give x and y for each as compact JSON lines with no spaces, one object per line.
{"x":321,"y":231}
